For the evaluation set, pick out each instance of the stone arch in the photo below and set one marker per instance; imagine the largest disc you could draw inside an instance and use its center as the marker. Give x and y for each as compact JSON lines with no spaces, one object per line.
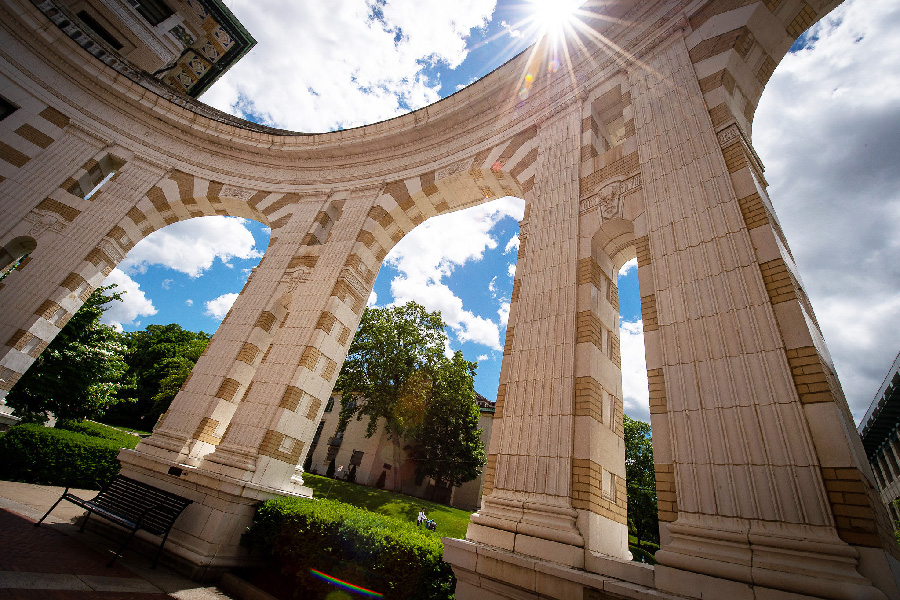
{"x":761,"y":491}
{"x":15,"y":250}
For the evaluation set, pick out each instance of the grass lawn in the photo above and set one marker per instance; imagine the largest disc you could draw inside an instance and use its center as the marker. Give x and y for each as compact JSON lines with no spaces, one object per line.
{"x":451,"y":522}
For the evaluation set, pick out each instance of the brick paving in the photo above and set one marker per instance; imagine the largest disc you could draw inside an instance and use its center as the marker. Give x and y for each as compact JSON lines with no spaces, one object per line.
{"x":46,"y":564}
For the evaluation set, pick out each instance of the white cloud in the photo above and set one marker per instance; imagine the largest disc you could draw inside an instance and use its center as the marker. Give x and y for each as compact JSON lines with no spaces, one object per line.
{"x":189,"y":302}
{"x":503,"y":311}
{"x":217,"y":308}
{"x":512,"y":245}
{"x":511,"y":30}
{"x":432,"y":251}
{"x":350,"y":64}
{"x":828,"y":130}
{"x":373,"y":299}
{"x":167,"y":284}
{"x":191,"y":246}
{"x":636,"y":399}
{"x":134,"y":303}
{"x":631,"y":264}
{"x":482,"y":357}
{"x":511,"y":269}
{"x":492,"y":287}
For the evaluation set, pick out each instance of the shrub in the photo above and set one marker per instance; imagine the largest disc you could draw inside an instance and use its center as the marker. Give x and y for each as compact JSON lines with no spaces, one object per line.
{"x":50,"y":456}
{"x":99,"y":430}
{"x":383,"y":554}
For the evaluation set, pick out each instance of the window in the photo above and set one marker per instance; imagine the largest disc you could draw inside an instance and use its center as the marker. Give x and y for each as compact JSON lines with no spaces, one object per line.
{"x":154,"y":11}
{"x":316,"y":437}
{"x":609,"y":486}
{"x":356,"y":458}
{"x":6,"y":108}
{"x":99,"y":29}
{"x":96,"y":177}
{"x":329,"y":405}
{"x":331,"y":454}
{"x":338,"y":439}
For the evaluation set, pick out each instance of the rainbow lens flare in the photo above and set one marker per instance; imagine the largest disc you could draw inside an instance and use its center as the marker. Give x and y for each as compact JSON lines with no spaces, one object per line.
{"x":345,"y":585}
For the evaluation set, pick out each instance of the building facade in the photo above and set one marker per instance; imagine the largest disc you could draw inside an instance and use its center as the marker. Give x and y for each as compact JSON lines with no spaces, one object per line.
{"x":377,"y":457}
{"x":880,"y":433}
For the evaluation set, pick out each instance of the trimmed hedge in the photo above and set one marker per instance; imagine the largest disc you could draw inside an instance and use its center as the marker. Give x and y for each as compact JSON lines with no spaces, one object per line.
{"x":50,"y":456}
{"x":99,"y":430}
{"x":373,"y":551}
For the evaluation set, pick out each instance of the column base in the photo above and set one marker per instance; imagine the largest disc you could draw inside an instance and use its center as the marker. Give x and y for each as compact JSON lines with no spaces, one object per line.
{"x":540,"y":530}
{"x":489,"y":573}
{"x":208,"y":533}
{"x":733,"y":557}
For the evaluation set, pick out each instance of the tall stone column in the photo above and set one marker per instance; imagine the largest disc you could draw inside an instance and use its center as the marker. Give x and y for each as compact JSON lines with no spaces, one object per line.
{"x":759,"y":479}
{"x":235,"y":436}
{"x":527,"y":505}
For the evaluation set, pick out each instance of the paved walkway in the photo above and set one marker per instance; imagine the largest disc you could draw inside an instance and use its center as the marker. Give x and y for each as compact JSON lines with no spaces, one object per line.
{"x":55,"y":562}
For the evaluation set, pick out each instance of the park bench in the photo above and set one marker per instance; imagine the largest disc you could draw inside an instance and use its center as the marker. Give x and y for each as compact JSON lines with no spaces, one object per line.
{"x":133,"y":505}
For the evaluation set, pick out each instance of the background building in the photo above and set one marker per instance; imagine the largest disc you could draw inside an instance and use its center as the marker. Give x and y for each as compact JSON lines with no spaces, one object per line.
{"x":375,"y":456}
{"x":185,"y":44}
{"x":879,"y":430}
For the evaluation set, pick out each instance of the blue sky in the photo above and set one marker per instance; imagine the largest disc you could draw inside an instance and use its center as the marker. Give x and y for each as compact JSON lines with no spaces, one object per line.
{"x":827,"y":129}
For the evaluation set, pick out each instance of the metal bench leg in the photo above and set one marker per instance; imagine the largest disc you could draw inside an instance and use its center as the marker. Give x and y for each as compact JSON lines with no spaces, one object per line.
{"x":159,"y":550}
{"x":38,"y":524}
{"x":122,"y":547}
{"x":83,"y":523}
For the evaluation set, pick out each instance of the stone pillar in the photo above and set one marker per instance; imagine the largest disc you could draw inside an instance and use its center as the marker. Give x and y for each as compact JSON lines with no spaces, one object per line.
{"x":235,"y":436}
{"x":527,"y":505}
{"x":758,"y":473}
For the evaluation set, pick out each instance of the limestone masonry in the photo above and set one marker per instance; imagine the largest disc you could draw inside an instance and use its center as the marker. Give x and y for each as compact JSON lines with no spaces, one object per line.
{"x":765,"y":490}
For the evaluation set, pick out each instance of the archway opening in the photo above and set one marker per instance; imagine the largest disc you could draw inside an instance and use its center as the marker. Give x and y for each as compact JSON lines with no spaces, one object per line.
{"x":178,"y":284}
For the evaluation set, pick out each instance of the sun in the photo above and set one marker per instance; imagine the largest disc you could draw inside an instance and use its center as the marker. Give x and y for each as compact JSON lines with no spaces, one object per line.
{"x":550,"y":16}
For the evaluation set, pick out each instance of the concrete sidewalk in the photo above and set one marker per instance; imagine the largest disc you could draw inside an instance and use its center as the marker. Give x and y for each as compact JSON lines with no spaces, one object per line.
{"x":55,"y":562}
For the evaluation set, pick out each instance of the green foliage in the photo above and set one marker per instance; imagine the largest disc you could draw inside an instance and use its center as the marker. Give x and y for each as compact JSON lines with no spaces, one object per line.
{"x":396,"y":371}
{"x":382,"y":554}
{"x":99,"y":430}
{"x":640,"y":480}
{"x":387,"y":372}
{"x":452,"y":522}
{"x":159,"y":359}
{"x":50,"y":456}
{"x":79,"y":374}
{"x":449,"y":446}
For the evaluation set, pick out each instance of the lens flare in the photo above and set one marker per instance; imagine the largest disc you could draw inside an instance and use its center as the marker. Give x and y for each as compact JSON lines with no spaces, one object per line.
{"x":345,"y":585}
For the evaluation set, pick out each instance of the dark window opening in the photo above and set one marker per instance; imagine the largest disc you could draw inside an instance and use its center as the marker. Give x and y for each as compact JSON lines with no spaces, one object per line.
{"x":99,"y":30}
{"x":338,"y":439}
{"x":356,"y":458}
{"x":154,"y":11}
{"x":316,"y":437}
{"x":329,"y":405}
{"x":6,"y":108}
{"x":331,"y":454}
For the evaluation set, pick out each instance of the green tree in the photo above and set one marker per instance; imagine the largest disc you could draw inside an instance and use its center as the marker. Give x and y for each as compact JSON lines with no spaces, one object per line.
{"x":449,"y":447}
{"x":640,"y":480}
{"x":160,"y":358}
{"x":79,"y":374}
{"x":388,"y":372}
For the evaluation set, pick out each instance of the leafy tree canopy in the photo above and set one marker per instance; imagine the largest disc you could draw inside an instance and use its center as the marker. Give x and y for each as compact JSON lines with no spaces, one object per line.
{"x":449,"y":445}
{"x":80,"y":372}
{"x":159,"y":358}
{"x":640,"y":479}
{"x":388,"y":372}
{"x":396,"y":371}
